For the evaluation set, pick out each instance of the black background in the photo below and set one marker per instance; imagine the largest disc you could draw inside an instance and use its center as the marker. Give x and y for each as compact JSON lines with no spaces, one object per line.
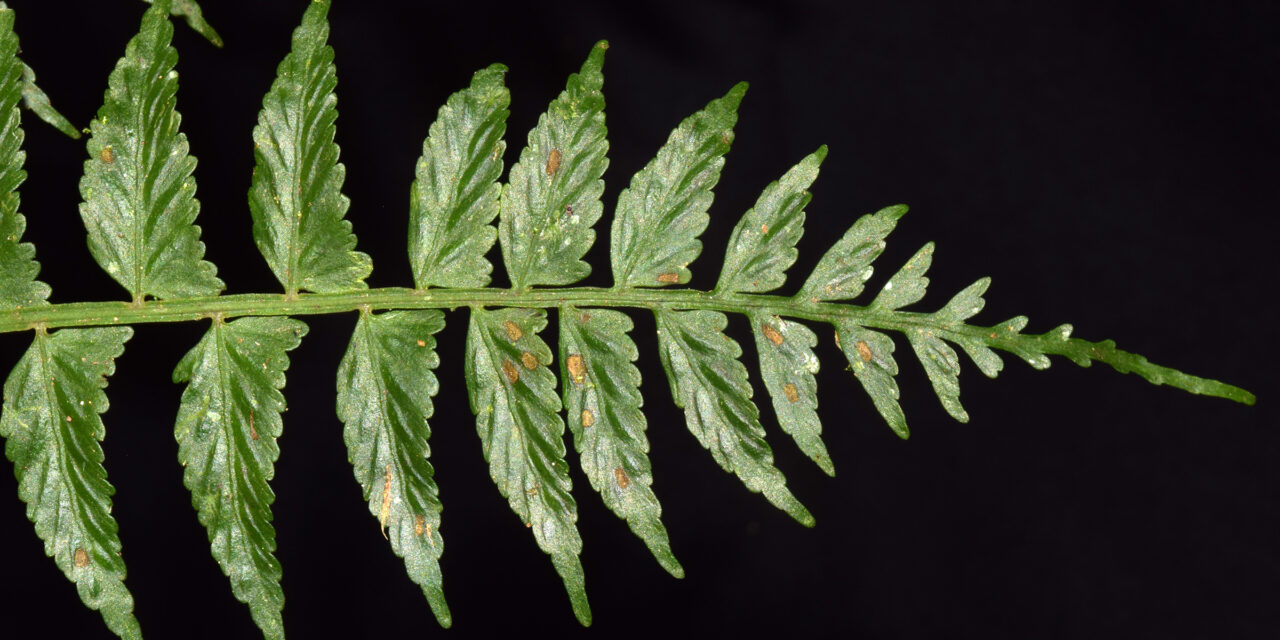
{"x":1109,"y":165}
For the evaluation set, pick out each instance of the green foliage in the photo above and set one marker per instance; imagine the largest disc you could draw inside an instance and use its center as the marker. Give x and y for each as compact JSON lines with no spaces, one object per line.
{"x":456,"y":188}
{"x":226,"y":429}
{"x":139,"y":195}
{"x":385,"y":386}
{"x":51,"y":427}
{"x":139,"y":209}
{"x":296,"y":198}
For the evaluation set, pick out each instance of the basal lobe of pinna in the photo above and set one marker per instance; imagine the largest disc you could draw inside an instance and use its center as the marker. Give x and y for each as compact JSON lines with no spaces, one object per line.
{"x":139,"y":209}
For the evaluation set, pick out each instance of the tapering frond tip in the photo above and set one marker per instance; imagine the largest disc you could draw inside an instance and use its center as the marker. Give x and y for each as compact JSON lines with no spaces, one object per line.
{"x":1125,"y":362}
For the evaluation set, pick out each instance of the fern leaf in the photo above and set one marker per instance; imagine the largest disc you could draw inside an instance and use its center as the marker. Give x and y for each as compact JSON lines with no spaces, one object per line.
{"x":139,"y":195}
{"x":846,"y":266}
{"x":51,"y":426}
{"x":552,"y":196}
{"x":296,"y":196}
{"x":226,"y":430}
{"x":788,"y":366}
{"x":908,"y":285}
{"x":456,"y":189}
{"x":18,"y":267}
{"x":385,"y":386}
{"x":517,"y":413}
{"x":602,"y":400}
{"x":762,"y":246}
{"x":710,"y":384}
{"x":190,"y":10}
{"x":660,"y":216}
{"x":35,"y":99}
{"x":870,"y":356}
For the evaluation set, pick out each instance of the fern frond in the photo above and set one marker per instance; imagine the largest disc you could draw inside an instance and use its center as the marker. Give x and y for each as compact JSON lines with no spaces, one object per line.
{"x":139,"y":195}
{"x":517,"y":411}
{"x":18,"y":267}
{"x":139,"y":208}
{"x":552,"y":196}
{"x":226,"y":430}
{"x":455,"y":188}
{"x":296,"y":197}
{"x":51,"y":427}
{"x":385,"y":386}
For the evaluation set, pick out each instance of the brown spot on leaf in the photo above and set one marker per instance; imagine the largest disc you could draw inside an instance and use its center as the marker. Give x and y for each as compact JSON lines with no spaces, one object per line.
{"x":108,"y":154}
{"x":253,"y":433}
{"x":588,"y":418}
{"x":864,"y":350}
{"x":837,"y":335}
{"x":771,"y":333}
{"x":577,"y":370}
{"x":386,"y":503}
{"x":669,"y":278}
{"x":621,"y":476}
{"x":81,"y":558}
{"x":422,"y":343}
{"x":419,"y":525}
{"x":764,"y":228}
{"x":791,"y":393}
{"x":513,"y":330}
{"x":512,"y":373}
{"x":553,"y":162}
{"x":529,"y":360}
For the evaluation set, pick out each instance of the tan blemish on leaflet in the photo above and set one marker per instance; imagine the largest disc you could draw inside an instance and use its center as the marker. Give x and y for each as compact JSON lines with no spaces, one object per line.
{"x":621,"y":477}
{"x":81,"y":558}
{"x":577,"y":370}
{"x":588,"y":418}
{"x":791,"y":393}
{"x":253,"y":433}
{"x":386,"y":503}
{"x":553,"y":162}
{"x":510,"y":370}
{"x":771,"y":333}
{"x":419,"y":525}
{"x":513,"y":330}
{"x":108,"y":154}
{"x":864,"y":350}
{"x":669,"y":278}
{"x":529,"y":361}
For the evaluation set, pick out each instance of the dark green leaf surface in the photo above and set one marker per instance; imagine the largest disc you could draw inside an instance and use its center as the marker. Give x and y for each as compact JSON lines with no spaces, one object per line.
{"x":296,"y":196}
{"x":517,"y":411}
{"x":226,"y":429}
{"x":385,"y":386}
{"x":51,"y":426}
{"x":37,"y":101}
{"x":602,"y":400}
{"x":763,"y":245}
{"x":139,"y":195}
{"x":788,"y":366}
{"x":710,"y":384}
{"x":18,"y":267}
{"x":552,"y":196}
{"x":455,"y":187}
{"x":660,"y":216}
{"x":870,"y":356}
{"x":190,"y":10}
{"x":846,"y":266}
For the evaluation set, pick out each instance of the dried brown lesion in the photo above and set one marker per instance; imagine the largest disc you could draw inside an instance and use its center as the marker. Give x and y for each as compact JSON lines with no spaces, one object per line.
{"x":588,"y":418}
{"x":81,"y":558}
{"x":509,"y":369}
{"x":771,"y":333}
{"x":577,"y":368}
{"x":790,"y":391}
{"x":513,"y":330}
{"x":669,"y":278}
{"x":864,"y":350}
{"x":529,"y":361}
{"x":621,"y":477}
{"x":553,"y":162}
